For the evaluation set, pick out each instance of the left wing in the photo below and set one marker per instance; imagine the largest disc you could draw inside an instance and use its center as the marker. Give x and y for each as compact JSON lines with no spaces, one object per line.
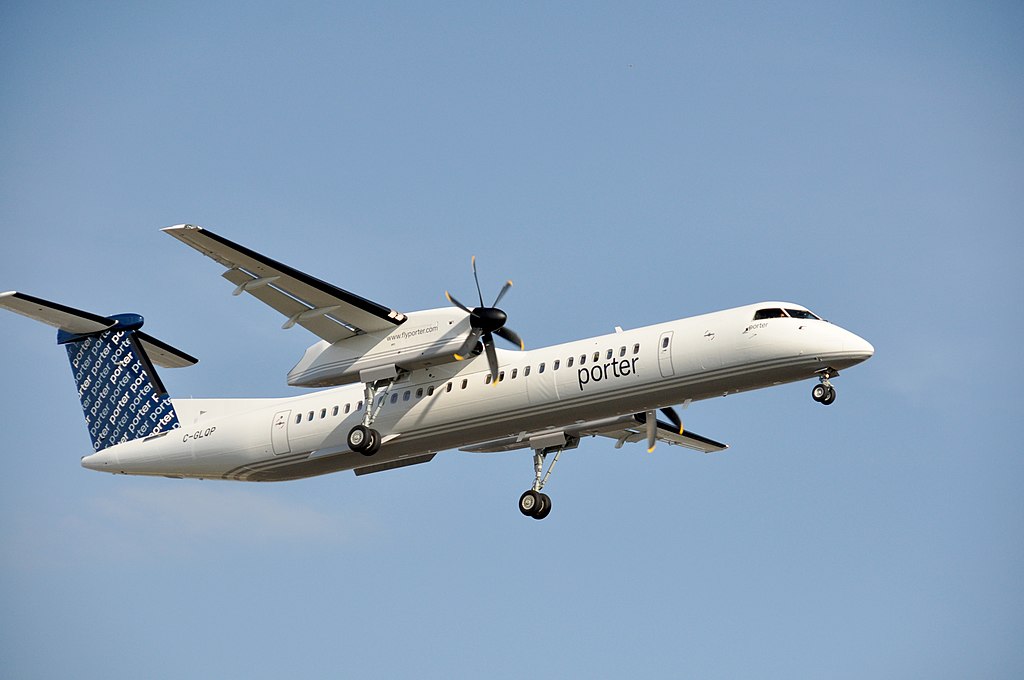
{"x":321,"y":308}
{"x":630,"y":428}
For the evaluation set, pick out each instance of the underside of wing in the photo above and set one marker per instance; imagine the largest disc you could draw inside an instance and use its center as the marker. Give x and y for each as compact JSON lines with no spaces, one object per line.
{"x":623,"y":429}
{"x":323,"y":309}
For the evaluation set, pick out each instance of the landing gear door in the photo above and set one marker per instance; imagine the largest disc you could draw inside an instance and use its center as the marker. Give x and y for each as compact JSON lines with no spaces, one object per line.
{"x":665,"y":355}
{"x":279,"y":432}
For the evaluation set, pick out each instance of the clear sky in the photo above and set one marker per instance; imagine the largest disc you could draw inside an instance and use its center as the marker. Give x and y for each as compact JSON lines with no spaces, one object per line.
{"x":624,"y":164}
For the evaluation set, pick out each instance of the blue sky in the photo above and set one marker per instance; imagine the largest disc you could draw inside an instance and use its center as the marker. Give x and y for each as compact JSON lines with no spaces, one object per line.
{"x":624,"y":164}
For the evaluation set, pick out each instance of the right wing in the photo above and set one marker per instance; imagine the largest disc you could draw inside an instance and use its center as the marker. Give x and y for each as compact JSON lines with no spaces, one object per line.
{"x":623,"y":429}
{"x":321,"y":308}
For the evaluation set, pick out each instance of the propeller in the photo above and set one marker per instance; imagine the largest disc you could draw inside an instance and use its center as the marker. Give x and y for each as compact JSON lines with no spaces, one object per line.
{"x":650,"y":419}
{"x":486,"y":322}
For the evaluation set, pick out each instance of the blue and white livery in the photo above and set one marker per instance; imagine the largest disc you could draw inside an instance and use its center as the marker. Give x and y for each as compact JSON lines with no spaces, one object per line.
{"x":400,"y":387}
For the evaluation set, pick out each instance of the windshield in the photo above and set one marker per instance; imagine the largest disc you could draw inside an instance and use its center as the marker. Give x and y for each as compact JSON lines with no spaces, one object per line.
{"x":776,"y":313}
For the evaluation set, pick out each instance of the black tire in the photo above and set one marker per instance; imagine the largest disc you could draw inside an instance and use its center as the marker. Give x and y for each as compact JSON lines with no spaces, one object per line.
{"x":374,"y":446}
{"x":829,"y":397}
{"x":545,"y":509}
{"x":529,"y":503}
{"x":359,"y":439}
{"x":818,"y":393}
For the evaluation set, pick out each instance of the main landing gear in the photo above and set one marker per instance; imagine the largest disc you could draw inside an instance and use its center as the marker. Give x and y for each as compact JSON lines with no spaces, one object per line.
{"x":533,"y":503}
{"x":363,"y":438}
{"x":823,"y":392}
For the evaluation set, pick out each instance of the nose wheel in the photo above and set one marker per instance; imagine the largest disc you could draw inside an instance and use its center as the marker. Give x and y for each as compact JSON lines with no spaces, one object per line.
{"x":823,"y":392}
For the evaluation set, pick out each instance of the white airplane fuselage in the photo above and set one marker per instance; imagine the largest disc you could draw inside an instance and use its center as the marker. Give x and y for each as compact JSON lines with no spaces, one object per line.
{"x":453,"y":405}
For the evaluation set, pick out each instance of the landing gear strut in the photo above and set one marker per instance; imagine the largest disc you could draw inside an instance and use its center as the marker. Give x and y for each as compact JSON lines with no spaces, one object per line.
{"x":363,"y":438}
{"x":823,"y":392}
{"x":533,"y":503}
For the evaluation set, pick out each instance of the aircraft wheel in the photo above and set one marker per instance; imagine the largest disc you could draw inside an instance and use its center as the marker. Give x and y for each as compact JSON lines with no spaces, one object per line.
{"x":359,"y":439}
{"x":829,"y":397}
{"x":818,"y":393}
{"x":530,"y":503}
{"x":545,"y":509}
{"x":374,"y":446}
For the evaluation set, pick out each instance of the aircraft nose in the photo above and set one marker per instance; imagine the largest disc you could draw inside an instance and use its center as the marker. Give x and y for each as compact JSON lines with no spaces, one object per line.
{"x":859,"y":347}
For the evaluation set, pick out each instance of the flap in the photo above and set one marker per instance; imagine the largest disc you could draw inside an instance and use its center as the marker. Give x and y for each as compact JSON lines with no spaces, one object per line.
{"x":321,"y":308}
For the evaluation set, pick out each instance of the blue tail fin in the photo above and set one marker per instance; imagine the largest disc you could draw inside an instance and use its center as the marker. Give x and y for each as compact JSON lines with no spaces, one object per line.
{"x":122,"y":395}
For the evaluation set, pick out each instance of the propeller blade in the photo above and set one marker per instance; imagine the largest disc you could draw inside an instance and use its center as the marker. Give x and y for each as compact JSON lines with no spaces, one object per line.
{"x":511,"y":336}
{"x":673,"y":418}
{"x":492,"y":357}
{"x":470,"y":344}
{"x":458,"y":304}
{"x":477,"y":279}
{"x":501,"y":293}
{"x":652,"y":431}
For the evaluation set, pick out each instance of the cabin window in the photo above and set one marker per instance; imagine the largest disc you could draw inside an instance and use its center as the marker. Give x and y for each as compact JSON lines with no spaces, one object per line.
{"x":347,"y":408}
{"x":359,"y":406}
{"x":310,"y":417}
{"x":611,"y":353}
{"x":298,"y":418}
{"x":501,"y":376}
{"x":526,"y":371}
{"x":636,"y":348}
{"x":769,"y":314}
{"x":583,"y":359}
{"x":540,"y":369}
{"x":465,"y":381}
{"x":487,"y":381}
{"x":394,"y":398}
{"x":664,"y":342}
{"x":449,"y":388}
{"x":335,"y":411}
{"x":622,"y":351}
{"x":405,"y":397}
{"x":515,"y":372}
{"x":597,"y":357}
{"x":802,"y":314}
{"x":555,"y":366}
{"x":323,"y":413}
{"x":430,"y":391}
{"x":568,"y":362}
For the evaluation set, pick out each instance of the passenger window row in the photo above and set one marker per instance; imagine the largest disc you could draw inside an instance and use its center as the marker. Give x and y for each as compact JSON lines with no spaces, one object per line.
{"x":420,"y":392}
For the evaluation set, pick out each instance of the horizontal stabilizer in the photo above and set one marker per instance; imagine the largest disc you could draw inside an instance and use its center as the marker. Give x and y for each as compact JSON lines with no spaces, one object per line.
{"x":112,"y":361}
{"x":77,"y":322}
{"x":59,"y":316}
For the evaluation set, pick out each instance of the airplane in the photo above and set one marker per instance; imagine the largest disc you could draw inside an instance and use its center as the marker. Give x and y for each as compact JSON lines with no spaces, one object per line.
{"x":401,"y":387}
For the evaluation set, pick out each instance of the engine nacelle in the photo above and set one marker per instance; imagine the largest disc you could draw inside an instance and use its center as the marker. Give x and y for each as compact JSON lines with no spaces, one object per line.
{"x":427,"y":338}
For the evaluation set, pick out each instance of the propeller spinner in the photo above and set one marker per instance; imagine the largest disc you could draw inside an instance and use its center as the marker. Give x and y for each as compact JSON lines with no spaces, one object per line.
{"x":486,"y":322}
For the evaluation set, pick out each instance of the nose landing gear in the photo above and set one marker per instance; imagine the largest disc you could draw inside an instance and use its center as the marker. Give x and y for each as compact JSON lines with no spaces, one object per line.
{"x":823,"y":392}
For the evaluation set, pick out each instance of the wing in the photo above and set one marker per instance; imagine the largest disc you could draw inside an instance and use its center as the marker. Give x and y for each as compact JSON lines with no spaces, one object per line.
{"x":623,"y":429}
{"x":321,"y":308}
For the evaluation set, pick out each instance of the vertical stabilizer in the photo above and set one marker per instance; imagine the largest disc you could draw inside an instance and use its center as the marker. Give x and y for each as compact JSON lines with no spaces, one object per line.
{"x":122,"y":395}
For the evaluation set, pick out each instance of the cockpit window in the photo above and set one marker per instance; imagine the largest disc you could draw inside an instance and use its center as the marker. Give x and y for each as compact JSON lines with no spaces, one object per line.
{"x":802,"y":314}
{"x":769,"y":314}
